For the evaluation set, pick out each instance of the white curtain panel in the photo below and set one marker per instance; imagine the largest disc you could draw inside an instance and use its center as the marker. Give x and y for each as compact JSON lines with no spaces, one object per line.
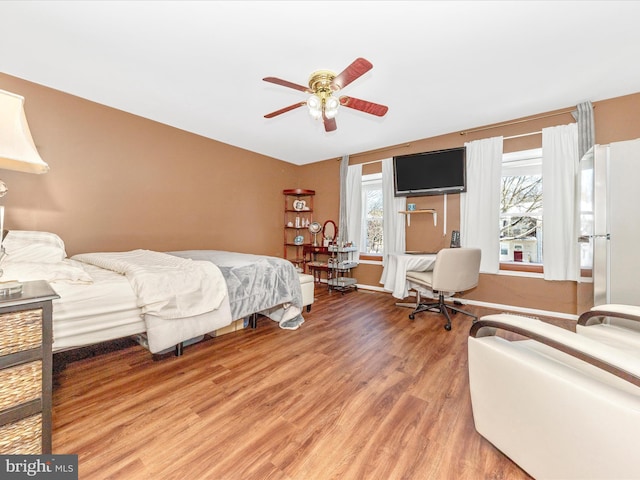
{"x":393,"y":228}
{"x":480,"y":204}
{"x":354,"y":207}
{"x":342,"y":220}
{"x":560,"y":161}
{"x":586,"y":127}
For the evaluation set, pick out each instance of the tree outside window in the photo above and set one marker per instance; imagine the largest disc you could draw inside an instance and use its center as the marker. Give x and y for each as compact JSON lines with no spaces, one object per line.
{"x":372,"y":214}
{"x":521,"y":207}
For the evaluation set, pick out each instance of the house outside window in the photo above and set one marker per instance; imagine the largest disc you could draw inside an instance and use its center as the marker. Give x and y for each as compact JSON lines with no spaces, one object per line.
{"x":521,"y":207}
{"x":372,"y":240}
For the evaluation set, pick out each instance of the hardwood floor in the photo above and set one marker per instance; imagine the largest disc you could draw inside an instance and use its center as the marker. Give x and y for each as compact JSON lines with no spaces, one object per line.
{"x":358,"y":392}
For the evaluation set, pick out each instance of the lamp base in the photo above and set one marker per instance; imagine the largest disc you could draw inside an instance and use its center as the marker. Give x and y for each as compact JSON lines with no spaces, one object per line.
{"x":10,"y":288}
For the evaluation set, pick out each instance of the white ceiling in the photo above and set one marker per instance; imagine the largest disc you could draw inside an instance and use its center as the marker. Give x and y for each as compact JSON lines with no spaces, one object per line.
{"x":440,"y":66}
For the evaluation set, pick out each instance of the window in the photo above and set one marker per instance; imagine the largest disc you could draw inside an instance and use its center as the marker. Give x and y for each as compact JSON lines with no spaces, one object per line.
{"x":372,"y":240}
{"x":521,"y":207}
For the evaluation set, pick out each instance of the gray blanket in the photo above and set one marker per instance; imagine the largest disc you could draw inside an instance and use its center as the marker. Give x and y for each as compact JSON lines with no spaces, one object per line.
{"x":257,"y":284}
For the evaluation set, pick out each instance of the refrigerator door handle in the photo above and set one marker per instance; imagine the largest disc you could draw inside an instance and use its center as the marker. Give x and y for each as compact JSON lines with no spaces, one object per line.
{"x":586,"y":238}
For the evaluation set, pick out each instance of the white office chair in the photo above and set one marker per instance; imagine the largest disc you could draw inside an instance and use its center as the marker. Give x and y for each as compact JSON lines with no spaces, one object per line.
{"x":455,"y":270}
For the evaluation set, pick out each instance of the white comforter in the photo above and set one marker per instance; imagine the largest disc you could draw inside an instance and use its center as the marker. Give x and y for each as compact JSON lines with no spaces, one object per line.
{"x":180,"y":299}
{"x":166,"y":286}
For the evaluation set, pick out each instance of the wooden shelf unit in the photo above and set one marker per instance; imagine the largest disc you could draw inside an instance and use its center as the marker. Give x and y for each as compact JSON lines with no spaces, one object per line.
{"x":296,"y":222}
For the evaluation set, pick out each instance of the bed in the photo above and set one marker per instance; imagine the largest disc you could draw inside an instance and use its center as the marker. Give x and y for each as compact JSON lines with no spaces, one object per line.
{"x":110,"y":295}
{"x":259,"y":283}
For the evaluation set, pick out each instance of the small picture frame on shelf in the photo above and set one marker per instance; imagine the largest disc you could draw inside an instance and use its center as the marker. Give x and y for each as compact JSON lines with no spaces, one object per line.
{"x":455,"y":239}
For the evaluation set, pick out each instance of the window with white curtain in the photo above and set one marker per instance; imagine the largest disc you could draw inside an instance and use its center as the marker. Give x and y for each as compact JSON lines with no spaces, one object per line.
{"x":521,"y":207}
{"x":372,"y":240}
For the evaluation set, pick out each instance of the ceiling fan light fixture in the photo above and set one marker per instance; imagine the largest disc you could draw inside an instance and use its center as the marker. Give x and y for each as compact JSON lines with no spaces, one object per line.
{"x":315,"y":106}
{"x":323,"y":85}
{"x":331,"y":107}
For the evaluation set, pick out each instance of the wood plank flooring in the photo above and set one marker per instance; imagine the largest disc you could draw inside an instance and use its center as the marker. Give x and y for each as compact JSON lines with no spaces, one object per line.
{"x":358,"y":392}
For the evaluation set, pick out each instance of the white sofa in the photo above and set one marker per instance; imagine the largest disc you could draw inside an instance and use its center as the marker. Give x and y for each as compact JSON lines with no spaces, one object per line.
{"x":559,"y":404}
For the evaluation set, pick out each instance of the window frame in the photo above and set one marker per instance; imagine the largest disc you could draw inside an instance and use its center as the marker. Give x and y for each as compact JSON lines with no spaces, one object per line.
{"x":367,"y":181}
{"x":525,"y":157}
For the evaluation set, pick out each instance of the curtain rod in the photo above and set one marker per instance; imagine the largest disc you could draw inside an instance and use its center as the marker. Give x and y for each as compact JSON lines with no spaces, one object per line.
{"x":523,"y":135}
{"x":481,"y":129}
{"x":375,"y":151}
{"x":505,"y":138}
{"x":516,"y":122}
{"x":369,"y":163}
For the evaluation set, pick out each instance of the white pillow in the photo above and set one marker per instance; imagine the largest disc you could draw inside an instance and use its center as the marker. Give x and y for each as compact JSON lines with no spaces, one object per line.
{"x":36,"y":247}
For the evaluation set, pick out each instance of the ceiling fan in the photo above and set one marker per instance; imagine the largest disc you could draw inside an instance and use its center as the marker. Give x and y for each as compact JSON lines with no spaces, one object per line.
{"x":323,"y":84}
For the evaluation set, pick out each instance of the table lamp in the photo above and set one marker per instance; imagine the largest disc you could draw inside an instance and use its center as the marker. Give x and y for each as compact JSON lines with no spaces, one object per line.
{"x":19,"y":153}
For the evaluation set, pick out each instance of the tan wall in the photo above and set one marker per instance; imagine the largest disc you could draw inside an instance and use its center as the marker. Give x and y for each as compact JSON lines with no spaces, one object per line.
{"x":616,"y":119}
{"x":119,"y":182}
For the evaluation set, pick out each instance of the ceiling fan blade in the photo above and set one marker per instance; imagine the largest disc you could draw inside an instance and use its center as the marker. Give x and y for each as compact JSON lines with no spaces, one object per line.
{"x":285,"y":109}
{"x":359,"y":67}
{"x":364,"y":106}
{"x":285,"y":83}
{"x":329,"y":123}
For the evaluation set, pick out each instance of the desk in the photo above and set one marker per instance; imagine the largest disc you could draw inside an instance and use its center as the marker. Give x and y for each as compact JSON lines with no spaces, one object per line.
{"x":394,"y":275}
{"x":310,"y":253}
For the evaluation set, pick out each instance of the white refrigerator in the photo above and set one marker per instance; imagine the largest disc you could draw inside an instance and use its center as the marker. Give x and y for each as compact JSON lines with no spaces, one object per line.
{"x":610,"y":222}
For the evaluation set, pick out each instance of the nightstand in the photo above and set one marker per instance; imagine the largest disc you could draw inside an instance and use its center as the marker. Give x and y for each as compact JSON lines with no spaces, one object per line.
{"x":26,"y":338}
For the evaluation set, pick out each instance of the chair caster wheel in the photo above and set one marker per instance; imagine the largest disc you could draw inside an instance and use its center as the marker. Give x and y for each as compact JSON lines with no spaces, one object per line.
{"x":447,"y":327}
{"x":412,"y":316}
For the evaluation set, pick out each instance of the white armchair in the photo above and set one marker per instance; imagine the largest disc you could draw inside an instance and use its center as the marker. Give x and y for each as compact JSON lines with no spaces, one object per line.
{"x":559,"y":404}
{"x":613,"y":324}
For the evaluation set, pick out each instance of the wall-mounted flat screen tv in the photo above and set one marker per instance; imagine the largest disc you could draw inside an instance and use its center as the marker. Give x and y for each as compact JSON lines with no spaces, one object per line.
{"x":430,"y":173}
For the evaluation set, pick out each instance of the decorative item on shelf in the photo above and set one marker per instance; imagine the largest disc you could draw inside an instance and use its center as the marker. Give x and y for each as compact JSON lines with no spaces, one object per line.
{"x":17,"y":152}
{"x":299,"y":205}
{"x":314,"y":229}
{"x":299,"y":240}
{"x":9,"y":288}
{"x":455,"y":239}
{"x":411,"y":207}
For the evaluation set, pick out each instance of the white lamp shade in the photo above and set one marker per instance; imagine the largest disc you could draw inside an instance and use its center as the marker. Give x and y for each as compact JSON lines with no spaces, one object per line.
{"x":17,"y":150}
{"x":331,"y":107}
{"x":315,"y":106}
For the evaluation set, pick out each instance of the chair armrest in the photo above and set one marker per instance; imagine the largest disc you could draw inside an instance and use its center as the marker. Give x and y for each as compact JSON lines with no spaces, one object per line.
{"x":602,"y":356}
{"x":599,"y":313}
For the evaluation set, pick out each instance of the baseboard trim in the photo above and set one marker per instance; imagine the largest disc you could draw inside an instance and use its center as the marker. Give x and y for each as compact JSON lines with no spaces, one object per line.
{"x":496,"y":306}
{"x":528,"y":311}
